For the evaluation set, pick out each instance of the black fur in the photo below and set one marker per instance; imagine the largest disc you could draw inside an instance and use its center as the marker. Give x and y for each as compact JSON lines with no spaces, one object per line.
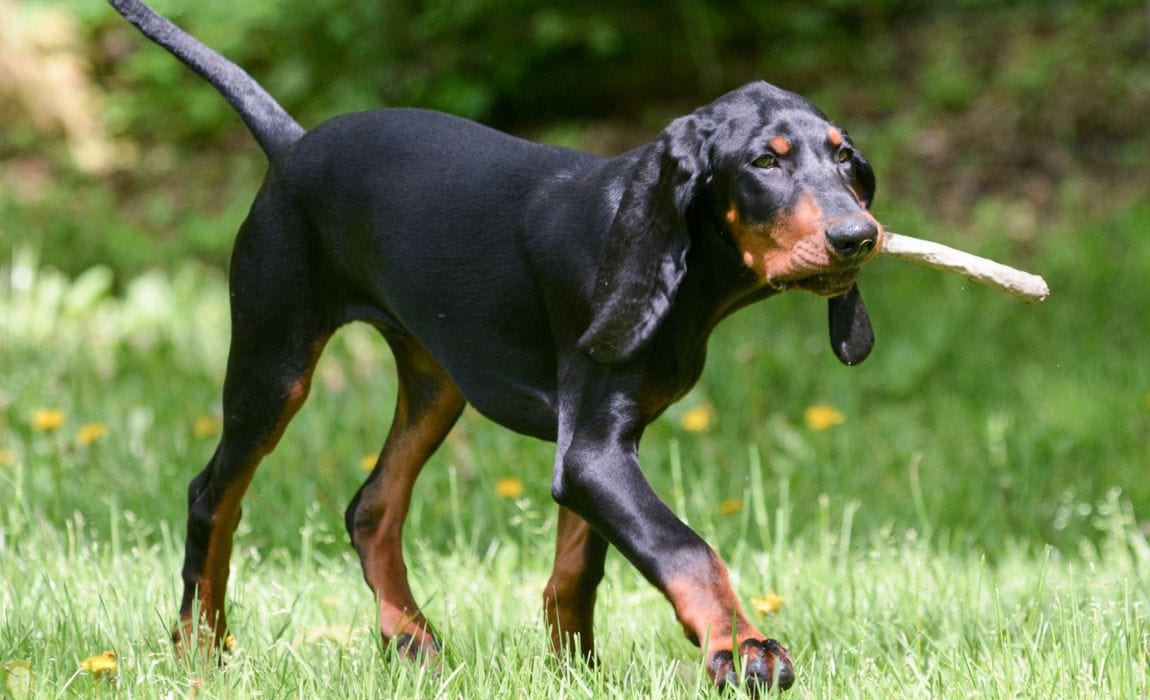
{"x":566,"y":296}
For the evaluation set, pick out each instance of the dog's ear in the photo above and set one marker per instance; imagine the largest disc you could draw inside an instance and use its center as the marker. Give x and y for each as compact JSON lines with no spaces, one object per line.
{"x":851,"y":335}
{"x":645,"y":255}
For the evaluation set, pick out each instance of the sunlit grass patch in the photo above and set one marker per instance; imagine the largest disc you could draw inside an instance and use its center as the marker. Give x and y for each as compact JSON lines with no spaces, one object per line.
{"x":889,"y":616}
{"x":965,"y":519}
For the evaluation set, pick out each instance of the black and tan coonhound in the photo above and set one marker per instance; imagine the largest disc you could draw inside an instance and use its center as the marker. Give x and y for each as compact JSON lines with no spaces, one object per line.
{"x":566,"y":296}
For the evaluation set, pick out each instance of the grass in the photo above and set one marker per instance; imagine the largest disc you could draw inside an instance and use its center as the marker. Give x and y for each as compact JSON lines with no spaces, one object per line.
{"x":885,"y":617}
{"x":970,"y":530}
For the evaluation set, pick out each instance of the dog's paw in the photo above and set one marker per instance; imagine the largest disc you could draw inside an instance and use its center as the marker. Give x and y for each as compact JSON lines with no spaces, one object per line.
{"x":765,"y":664}
{"x":420,"y":647}
{"x":202,"y":641}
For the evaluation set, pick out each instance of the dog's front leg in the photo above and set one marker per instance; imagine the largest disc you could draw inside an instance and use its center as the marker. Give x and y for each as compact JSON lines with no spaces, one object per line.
{"x":597,"y":476}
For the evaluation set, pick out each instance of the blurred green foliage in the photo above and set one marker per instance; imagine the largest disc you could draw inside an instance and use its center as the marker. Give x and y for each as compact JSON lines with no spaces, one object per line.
{"x":523,"y":62}
{"x":973,"y":111}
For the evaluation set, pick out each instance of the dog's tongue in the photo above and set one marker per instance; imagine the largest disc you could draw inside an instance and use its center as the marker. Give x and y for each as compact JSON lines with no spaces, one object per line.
{"x":851,"y":334}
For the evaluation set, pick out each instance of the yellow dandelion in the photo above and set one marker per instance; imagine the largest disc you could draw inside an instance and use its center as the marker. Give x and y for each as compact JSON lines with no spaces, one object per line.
{"x":205,"y":426}
{"x":101,"y":664}
{"x":367,"y":462}
{"x":822,"y":417}
{"x":698,"y":418}
{"x":730,"y":506}
{"x":47,"y":419}
{"x":230,"y":643}
{"x":91,"y":432}
{"x":769,"y":604}
{"x":509,"y":487}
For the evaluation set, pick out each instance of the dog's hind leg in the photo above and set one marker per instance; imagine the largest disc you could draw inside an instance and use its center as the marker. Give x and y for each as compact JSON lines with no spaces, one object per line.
{"x":569,"y":598}
{"x":427,"y":406}
{"x":279,"y":327}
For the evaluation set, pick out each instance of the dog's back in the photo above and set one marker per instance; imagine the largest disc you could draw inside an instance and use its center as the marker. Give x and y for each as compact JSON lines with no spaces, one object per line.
{"x":410,"y":208}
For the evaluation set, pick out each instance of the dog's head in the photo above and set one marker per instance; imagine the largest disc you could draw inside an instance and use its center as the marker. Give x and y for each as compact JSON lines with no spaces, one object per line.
{"x":784,"y":187}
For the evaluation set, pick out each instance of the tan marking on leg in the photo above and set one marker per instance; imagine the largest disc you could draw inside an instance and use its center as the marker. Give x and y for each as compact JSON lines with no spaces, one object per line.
{"x":212,"y":581}
{"x":427,"y":406}
{"x":706,"y":606}
{"x":712,"y":618}
{"x":569,"y":597}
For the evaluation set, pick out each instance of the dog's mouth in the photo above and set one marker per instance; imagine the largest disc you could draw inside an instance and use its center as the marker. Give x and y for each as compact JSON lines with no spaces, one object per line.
{"x":828,"y":284}
{"x":825,"y":283}
{"x":808,"y":262}
{"x":825,"y":275}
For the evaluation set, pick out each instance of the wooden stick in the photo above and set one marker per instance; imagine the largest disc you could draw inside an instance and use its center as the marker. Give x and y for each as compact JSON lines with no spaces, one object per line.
{"x":1021,"y":284}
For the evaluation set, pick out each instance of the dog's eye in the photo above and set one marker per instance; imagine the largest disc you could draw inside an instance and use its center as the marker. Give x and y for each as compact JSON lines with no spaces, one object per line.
{"x":767,"y":161}
{"x":844,"y":155}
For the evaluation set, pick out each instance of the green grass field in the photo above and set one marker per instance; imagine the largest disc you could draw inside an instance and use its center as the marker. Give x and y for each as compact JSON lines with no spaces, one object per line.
{"x":970,"y":522}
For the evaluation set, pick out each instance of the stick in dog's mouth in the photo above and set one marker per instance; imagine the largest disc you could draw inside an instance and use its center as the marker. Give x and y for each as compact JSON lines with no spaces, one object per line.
{"x":1024,"y":285}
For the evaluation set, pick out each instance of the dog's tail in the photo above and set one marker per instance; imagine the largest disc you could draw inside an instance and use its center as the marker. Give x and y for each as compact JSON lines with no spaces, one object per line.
{"x":269,"y":123}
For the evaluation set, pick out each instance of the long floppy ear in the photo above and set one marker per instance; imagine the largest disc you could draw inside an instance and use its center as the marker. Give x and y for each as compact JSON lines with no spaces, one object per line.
{"x":645,"y":256}
{"x":851,"y":335}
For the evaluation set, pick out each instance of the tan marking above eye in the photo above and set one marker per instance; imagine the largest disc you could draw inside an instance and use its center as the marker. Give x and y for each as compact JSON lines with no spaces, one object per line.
{"x":780,"y":145}
{"x":834,"y":137}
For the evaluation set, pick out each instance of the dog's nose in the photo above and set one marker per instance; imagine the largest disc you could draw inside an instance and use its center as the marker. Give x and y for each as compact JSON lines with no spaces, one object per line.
{"x":853,"y":238}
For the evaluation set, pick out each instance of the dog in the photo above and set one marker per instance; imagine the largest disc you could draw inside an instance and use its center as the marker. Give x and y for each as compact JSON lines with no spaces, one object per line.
{"x":565,"y":296}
